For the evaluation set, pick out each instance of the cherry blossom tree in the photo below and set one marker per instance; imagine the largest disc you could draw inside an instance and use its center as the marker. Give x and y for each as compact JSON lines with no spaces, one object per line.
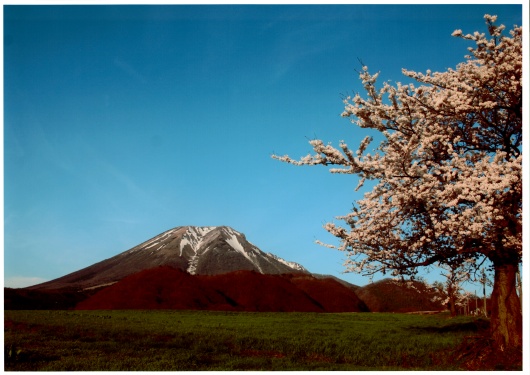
{"x":447,"y":172}
{"x":452,"y":290}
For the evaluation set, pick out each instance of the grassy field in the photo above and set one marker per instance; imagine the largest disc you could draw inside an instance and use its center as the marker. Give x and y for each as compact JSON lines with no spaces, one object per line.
{"x":205,"y":340}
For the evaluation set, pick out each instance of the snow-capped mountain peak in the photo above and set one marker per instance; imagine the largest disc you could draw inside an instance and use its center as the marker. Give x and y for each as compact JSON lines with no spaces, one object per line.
{"x":206,"y":245}
{"x":208,"y":250}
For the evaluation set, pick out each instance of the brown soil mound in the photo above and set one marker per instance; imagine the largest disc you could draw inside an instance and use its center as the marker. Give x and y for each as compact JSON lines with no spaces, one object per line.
{"x":168,"y":288}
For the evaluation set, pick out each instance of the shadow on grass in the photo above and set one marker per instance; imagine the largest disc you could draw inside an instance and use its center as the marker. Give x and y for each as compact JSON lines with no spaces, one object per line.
{"x":20,"y":359}
{"x":478,"y":326}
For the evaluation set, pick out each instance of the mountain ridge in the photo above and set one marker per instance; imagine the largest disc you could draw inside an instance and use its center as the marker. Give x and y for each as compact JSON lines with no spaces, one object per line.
{"x":196,"y":250}
{"x":169,"y":288}
{"x":215,"y":268}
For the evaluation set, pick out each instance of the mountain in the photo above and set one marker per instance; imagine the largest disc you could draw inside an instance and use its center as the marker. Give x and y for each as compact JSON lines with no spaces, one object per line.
{"x":196,"y":250}
{"x":211,"y":268}
{"x":169,"y":288}
{"x":388,"y":295}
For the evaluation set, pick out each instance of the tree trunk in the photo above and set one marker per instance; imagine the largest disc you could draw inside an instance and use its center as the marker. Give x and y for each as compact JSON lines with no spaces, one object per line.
{"x":452,"y":299}
{"x":452,"y":307}
{"x":506,"y":317}
{"x":454,"y":312}
{"x":519,"y":286}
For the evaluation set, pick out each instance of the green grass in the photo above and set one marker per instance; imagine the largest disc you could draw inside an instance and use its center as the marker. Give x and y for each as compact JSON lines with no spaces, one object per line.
{"x":202,"y":340}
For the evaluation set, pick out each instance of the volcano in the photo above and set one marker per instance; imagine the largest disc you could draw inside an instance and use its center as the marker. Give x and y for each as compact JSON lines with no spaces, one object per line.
{"x":210,"y":268}
{"x":195,"y":250}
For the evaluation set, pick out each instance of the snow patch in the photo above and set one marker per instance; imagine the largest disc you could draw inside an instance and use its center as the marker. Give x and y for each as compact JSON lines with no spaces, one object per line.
{"x":202,"y":231}
{"x":293,"y":265}
{"x":192,"y":268}
{"x":233,"y":241}
{"x":183,"y":243}
{"x":235,"y":244}
{"x":194,"y":237}
{"x":152,"y":245}
{"x":100,"y":285}
{"x":154,"y":241}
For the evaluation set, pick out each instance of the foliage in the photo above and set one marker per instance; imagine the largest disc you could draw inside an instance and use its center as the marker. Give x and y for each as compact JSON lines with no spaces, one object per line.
{"x":186,"y":340}
{"x":449,"y":167}
{"x":451,"y":292}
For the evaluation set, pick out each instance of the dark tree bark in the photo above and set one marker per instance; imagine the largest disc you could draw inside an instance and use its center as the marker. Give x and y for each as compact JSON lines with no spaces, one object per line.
{"x":452,"y":307}
{"x":506,"y":315}
{"x":452,"y":300}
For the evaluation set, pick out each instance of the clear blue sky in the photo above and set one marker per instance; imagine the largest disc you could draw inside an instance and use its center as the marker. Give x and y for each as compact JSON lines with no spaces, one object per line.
{"x":121,"y":122}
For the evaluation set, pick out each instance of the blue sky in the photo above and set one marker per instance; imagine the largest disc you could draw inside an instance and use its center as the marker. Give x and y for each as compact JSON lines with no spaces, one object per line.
{"x":121,"y":122}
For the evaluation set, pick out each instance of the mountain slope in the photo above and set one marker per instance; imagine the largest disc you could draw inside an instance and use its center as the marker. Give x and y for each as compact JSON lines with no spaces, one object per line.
{"x":169,"y":288}
{"x":388,"y":295}
{"x":157,"y":288}
{"x":333,"y":294}
{"x":196,"y":250}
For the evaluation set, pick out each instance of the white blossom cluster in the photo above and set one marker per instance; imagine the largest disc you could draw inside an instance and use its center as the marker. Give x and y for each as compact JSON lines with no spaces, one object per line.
{"x":451,"y":291}
{"x":448,"y":171}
